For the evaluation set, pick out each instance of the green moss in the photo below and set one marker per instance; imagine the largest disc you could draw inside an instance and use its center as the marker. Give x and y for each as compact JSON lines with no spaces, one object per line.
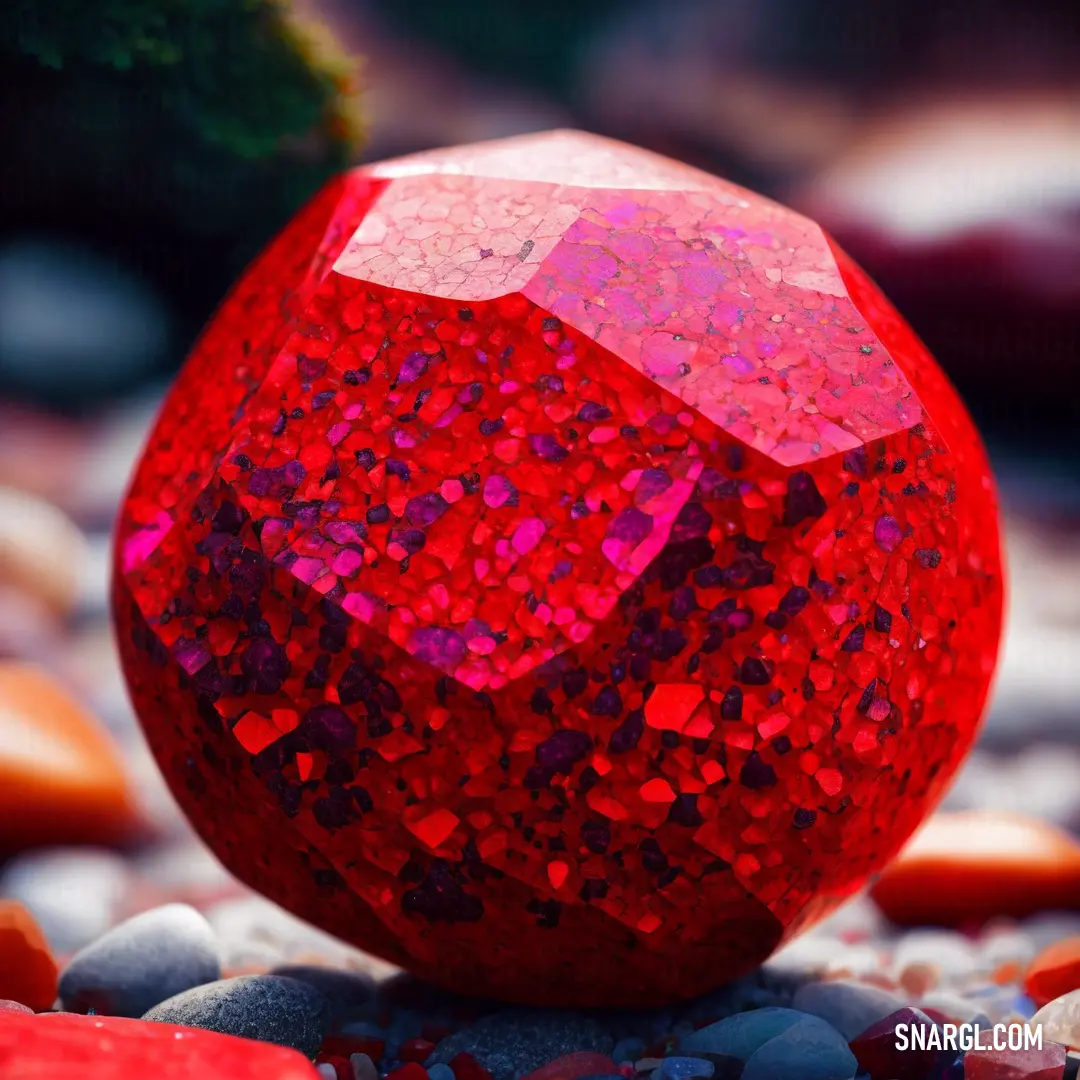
{"x":184,"y":130}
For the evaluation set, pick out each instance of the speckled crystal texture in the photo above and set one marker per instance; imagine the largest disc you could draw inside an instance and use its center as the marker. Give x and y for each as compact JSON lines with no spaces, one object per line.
{"x":558,"y":571}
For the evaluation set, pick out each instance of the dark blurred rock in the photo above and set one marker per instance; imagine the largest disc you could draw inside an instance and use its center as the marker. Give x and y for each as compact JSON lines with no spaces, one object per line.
{"x":967,"y":213}
{"x":74,"y":325}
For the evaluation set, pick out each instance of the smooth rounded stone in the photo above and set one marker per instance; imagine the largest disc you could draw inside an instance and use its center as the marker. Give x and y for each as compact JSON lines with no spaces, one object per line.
{"x":518,"y":1041}
{"x":849,"y":1006}
{"x":1055,"y":971}
{"x":326,"y":1071}
{"x":346,"y":992}
{"x":954,"y":956}
{"x":7,"y":1006}
{"x":684,"y":1068}
{"x":628,"y":1049}
{"x":886,"y":1048}
{"x":72,"y":321}
{"x":364,"y":1069}
{"x":62,"y":777}
{"x":42,"y":551}
{"x":141,"y":963}
{"x":119,"y":1048}
{"x":267,"y":1008}
{"x":73,"y":893}
{"x":27,"y":967}
{"x":808,"y":1050}
{"x":918,"y":979}
{"x":1037,"y":1063}
{"x":1060,"y":1020}
{"x":438,"y":1071}
{"x":968,"y":868}
{"x":739,"y":1036}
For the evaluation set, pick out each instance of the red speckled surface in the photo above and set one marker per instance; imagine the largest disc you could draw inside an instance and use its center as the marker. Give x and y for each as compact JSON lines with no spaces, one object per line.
{"x":579,"y":582}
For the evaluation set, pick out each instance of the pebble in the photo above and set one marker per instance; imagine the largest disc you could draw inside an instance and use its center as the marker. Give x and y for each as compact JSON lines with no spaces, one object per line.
{"x":7,"y":1006}
{"x":739,"y":1036}
{"x":848,"y":1006}
{"x":268,"y":1008}
{"x":62,"y":780}
{"x":73,"y":893}
{"x":42,"y":551}
{"x":581,"y":1063}
{"x":518,"y":1041}
{"x":1060,"y":1020}
{"x":966,"y":868}
{"x":1055,"y":971}
{"x":364,"y":1069}
{"x":142,"y":962}
{"x":684,"y":1068}
{"x":73,"y":322}
{"x":1044,"y":1063}
{"x":952,"y":956}
{"x":438,"y":1071}
{"x":346,"y":992}
{"x":877,"y":1053}
{"x":119,"y":1048}
{"x":808,"y":1050}
{"x":27,"y":968}
{"x":628,"y":1049}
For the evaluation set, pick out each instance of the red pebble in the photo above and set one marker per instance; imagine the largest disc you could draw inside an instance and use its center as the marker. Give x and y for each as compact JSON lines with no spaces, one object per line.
{"x":878,"y":1055}
{"x":1045,"y":1063}
{"x":572,"y":1066}
{"x":115,"y":1048}
{"x":418,"y":1050}
{"x":553,"y":547}
{"x":1054,"y":972}
{"x":411,"y":1070}
{"x":466,"y":1067}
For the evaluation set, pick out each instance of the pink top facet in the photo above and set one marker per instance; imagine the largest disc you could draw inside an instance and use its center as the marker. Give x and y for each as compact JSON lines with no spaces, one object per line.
{"x":731,"y":302}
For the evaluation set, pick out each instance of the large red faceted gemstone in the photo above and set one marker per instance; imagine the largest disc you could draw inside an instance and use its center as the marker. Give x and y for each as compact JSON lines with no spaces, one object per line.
{"x":558,"y":571}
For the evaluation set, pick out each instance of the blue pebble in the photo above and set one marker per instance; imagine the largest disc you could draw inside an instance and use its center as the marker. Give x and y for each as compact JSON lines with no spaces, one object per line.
{"x":629,"y":1049}
{"x":740,"y":1035}
{"x":808,"y":1050}
{"x":440,"y":1072}
{"x":684,"y":1068}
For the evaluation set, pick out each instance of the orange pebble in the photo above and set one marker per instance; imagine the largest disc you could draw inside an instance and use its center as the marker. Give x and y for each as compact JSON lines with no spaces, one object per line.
{"x":918,"y":978}
{"x":966,"y":868}
{"x":28,"y":971}
{"x":61,"y":777}
{"x":1055,"y":971}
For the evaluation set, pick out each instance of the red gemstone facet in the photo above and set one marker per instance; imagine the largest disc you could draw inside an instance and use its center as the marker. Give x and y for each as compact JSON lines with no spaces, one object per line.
{"x":558,"y":571}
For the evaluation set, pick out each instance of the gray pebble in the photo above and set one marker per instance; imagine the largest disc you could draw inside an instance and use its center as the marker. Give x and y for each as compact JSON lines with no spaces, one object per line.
{"x":141,"y":962}
{"x":268,"y":1008}
{"x":849,"y":1006}
{"x":364,"y":1068}
{"x":517,"y":1041}
{"x":346,"y":992}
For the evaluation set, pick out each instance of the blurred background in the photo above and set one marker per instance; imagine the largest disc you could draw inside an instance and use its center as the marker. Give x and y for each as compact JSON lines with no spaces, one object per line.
{"x":150,"y":152}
